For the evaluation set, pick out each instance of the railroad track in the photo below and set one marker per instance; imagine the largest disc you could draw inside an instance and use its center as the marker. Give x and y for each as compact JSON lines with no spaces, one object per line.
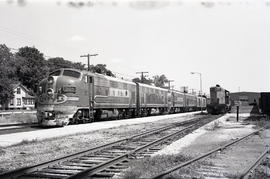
{"x":107,"y":160}
{"x":203,"y":156}
{"x":251,"y":168}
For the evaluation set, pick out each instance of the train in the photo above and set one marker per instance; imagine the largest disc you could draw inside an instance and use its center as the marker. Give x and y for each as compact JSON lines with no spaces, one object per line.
{"x":219,"y":102}
{"x":70,"y":96}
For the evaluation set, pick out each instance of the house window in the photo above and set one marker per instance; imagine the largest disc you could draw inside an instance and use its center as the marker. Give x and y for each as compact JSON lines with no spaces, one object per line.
{"x":11,"y":102}
{"x":30,"y":101}
{"x":24,"y":101}
{"x":18,"y":90}
{"x":19,"y":101}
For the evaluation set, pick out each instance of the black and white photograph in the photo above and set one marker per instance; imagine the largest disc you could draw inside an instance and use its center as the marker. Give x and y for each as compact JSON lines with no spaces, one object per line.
{"x":134,"y":89}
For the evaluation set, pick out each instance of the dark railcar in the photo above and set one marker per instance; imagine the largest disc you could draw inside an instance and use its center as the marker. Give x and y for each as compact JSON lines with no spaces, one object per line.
{"x":265,"y":103}
{"x":219,"y":100}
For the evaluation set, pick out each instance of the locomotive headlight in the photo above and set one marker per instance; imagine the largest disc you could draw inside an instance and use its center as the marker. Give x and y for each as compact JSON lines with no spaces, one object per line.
{"x":50,"y":80}
{"x":40,"y":89}
{"x":50,"y":92}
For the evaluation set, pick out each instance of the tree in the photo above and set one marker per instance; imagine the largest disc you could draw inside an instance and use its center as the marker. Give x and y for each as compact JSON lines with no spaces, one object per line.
{"x":144,"y":80}
{"x":7,"y":74}
{"x":6,"y":91}
{"x":101,"y":68}
{"x":31,"y":68}
{"x":160,"y":81}
{"x":59,"y":62}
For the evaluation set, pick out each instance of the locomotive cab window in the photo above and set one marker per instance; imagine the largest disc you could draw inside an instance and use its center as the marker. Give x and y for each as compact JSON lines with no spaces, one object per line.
{"x":72,"y":73}
{"x":55,"y":73}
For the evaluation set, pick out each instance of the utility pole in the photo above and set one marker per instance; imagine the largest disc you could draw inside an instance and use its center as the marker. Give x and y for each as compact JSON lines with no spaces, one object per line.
{"x":141,"y":72}
{"x":169,"y":81}
{"x":88,"y":59}
{"x":90,"y":88}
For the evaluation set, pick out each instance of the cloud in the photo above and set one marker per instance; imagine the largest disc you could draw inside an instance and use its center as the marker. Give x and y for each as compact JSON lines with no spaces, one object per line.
{"x":76,"y":38}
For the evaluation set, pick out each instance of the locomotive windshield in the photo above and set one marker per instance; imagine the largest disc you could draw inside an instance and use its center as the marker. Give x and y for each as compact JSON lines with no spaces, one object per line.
{"x":72,"y":73}
{"x":55,"y":73}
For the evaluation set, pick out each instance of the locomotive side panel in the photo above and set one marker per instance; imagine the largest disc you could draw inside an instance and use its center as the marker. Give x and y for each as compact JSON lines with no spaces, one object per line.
{"x":113,"y":94}
{"x":178,"y":99}
{"x":152,"y":96}
{"x":191,"y":102}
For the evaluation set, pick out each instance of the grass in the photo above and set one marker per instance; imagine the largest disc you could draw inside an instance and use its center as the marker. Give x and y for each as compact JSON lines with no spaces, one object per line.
{"x":26,"y":141}
{"x":151,"y":166}
{"x":2,"y":151}
{"x":259,"y":121}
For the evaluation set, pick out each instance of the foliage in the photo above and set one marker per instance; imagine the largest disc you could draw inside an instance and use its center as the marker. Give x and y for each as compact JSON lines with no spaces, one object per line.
{"x":31,"y":67}
{"x":160,"y":81}
{"x":101,"y":68}
{"x":6,"y":91}
{"x":7,"y":74}
{"x":59,"y":62}
{"x":144,"y":80}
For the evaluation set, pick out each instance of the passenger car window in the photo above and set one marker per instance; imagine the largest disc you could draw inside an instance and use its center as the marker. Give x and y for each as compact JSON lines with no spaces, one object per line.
{"x":72,"y":73}
{"x":55,"y":73}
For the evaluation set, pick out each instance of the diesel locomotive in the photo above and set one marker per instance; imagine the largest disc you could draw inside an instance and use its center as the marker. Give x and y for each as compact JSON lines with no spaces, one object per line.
{"x":220,"y":102}
{"x":72,"y":96}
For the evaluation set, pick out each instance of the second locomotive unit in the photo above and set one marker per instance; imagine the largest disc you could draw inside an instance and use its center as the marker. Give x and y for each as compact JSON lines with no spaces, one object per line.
{"x":74,"y":96}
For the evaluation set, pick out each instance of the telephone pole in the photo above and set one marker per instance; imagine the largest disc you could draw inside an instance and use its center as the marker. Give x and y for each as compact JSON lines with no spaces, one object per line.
{"x":88,"y":59}
{"x":90,"y":94}
{"x":141,"y":72}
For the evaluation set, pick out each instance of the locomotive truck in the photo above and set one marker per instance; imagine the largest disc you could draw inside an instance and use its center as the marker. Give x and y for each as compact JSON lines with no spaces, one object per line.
{"x":73,"y":96}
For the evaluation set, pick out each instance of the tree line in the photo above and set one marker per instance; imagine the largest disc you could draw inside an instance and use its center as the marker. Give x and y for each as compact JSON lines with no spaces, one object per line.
{"x":29,"y":66}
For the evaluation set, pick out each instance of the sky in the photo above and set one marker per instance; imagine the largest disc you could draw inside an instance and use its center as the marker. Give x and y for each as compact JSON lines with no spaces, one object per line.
{"x":227,"y":41}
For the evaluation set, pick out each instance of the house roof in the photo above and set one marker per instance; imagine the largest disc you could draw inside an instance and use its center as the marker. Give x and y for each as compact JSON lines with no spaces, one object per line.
{"x":16,"y":85}
{"x":28,"y":96}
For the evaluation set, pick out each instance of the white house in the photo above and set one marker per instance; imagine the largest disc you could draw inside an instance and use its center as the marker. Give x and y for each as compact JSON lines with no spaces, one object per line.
{"x":22,"y":99}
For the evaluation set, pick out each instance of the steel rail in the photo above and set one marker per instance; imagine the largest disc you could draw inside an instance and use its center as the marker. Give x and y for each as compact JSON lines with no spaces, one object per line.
{"x":24,"y":170}
{"x":254,"y":165}
{"x":100,"y":167}
{"x":203,"y":156}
